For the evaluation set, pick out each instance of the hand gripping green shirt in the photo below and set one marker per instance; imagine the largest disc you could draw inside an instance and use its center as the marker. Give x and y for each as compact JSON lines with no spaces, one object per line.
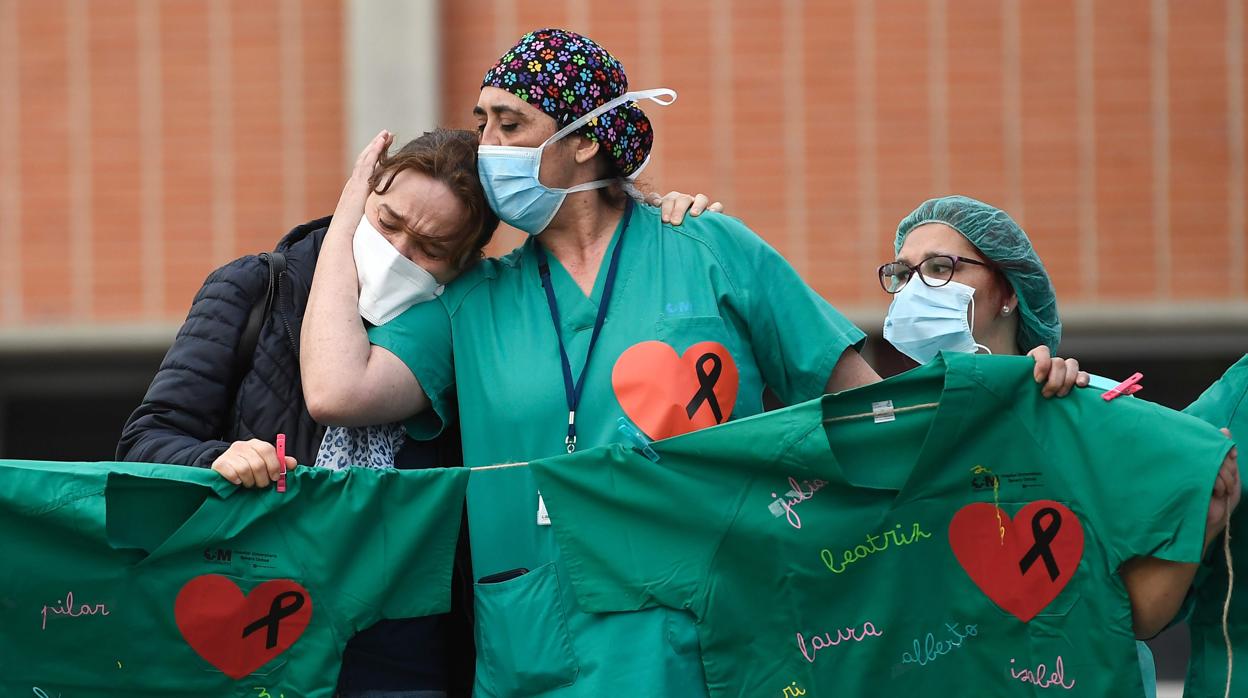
{"x":947,"y":532}
{"x":703,"y":316}
{"x":132,"y":579}
{"x":1224,"y":404}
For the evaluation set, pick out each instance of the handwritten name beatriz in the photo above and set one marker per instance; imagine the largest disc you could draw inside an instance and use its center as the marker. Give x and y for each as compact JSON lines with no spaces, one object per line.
{"x":891,"y":538}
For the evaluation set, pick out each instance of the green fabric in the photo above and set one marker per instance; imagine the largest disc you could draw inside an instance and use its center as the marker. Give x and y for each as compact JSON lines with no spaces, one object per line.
{"x":1224,"y":404}
{"x":1003,"y":241}
{"x":157,"y":559}
{"x":870,"y":550}
{"x":709,"y":280}
{"x":1148,"y":669}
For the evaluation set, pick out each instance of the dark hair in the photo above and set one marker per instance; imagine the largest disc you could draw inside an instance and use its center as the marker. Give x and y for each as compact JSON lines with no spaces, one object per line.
{"x":450,"y":157}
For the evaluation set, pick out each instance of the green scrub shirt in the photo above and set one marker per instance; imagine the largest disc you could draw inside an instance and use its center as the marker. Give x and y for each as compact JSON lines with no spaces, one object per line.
{"x":703,"y":317}
{"x":865,"y":556}
{"x":133,"y":579}
{"x":1224,"y":404}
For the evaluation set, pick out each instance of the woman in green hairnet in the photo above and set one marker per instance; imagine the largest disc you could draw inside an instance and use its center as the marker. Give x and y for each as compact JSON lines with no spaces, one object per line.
{"x":982,"y":287}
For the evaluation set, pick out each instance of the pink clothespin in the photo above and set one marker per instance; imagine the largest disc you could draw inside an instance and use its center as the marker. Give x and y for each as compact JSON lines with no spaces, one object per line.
{"x":281,"y":458}
{"x":1130,"y":386}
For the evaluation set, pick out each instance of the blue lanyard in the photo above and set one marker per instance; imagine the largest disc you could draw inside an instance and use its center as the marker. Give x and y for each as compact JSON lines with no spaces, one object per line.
{"x":573,"y":390}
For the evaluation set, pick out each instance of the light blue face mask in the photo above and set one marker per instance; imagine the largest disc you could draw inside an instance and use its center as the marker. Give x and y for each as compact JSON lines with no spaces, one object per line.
{"x":923,"y":321}
{"x":509,"y":173}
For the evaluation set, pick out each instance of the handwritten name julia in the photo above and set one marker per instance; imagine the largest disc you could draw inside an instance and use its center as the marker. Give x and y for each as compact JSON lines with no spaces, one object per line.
{"x":819,"y":642}
{"x":797,"y":494}
{"x":66,"y":608}
{"x":891,"y":538}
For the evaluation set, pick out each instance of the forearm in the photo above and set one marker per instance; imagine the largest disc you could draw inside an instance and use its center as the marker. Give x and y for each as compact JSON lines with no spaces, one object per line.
{"x":148,"y":439}
{"x":1157,"y":588}
{"x":334,"y":349}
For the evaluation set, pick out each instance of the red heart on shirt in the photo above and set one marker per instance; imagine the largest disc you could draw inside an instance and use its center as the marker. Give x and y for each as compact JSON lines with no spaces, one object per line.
{"x":1026,"y":568}
{"x":668,"y":395}
{"x":239,"y":634}
{"x":1024,"y":571}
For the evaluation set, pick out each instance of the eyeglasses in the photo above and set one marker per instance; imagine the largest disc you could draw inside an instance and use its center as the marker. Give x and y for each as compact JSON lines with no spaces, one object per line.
{"x":935,"y":271}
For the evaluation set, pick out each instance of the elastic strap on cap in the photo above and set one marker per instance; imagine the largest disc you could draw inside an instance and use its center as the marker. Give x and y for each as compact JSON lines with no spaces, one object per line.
{"x":652,"y":95}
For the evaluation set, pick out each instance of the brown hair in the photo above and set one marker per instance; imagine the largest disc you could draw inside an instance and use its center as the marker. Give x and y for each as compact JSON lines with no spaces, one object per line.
{"x":450,"y":157}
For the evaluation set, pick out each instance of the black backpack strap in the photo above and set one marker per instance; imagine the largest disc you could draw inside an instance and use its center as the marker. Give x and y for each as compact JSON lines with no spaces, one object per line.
{"x":260,"y":311}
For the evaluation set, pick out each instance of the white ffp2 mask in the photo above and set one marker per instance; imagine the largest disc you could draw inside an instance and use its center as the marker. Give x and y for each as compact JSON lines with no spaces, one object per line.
{"x":389,"y":282}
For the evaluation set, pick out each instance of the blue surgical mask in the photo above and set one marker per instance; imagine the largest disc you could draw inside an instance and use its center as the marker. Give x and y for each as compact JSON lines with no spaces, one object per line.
{"x":509,"y":173}
{"x":923,"y":321}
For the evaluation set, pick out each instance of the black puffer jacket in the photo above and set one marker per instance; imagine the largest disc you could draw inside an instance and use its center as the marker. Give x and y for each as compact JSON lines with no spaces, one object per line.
{"x":187,"y":416}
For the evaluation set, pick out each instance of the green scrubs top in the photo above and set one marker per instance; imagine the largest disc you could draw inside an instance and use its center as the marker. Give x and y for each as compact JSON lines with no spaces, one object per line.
{"x":703,"y":317}
{"x":133,"y":579}
{"x":1224,"y":404}
{"x":849,"y":546}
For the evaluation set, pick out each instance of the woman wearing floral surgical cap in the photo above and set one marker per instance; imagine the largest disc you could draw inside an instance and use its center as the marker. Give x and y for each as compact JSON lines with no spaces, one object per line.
{"x":605,"y":312}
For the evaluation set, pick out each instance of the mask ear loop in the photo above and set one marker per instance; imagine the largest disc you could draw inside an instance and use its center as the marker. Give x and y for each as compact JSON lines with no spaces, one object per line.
{"x":661,"y":96}
{"x":971,"y":328}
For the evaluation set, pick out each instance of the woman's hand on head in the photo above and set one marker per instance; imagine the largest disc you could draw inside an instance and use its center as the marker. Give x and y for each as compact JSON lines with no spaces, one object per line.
{"x":675,"y":205}
{"x":355,"y":192}
{"x":250,"y":463}
{"x":1055,"y":374}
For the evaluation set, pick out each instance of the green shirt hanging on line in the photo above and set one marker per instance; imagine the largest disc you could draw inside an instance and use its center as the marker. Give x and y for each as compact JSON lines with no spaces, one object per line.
{"x":1224,"y":404}
{"x":133,"y":579}
{"x":702,"y":317}
{"x":850,"y":546}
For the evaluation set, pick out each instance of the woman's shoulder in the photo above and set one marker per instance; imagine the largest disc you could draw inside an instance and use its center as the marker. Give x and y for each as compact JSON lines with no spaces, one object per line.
{"x":485,"y":274}
{"x":719,"y":232}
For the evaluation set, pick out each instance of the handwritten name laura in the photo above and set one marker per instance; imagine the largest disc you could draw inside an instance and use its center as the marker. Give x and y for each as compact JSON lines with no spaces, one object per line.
{"x":893,"y":538}
{"x":824,"y":641}
{"x":66,"y":608}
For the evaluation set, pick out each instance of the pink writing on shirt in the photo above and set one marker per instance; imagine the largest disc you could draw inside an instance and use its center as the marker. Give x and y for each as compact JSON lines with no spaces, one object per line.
{"x":824,"y":641}
{"x":66,"y":608}
{"x":796,"y":495}
{"x":1055,"y":679}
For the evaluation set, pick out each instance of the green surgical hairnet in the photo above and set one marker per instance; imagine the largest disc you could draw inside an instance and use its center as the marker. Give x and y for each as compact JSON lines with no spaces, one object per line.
{"x":1001,"y":240}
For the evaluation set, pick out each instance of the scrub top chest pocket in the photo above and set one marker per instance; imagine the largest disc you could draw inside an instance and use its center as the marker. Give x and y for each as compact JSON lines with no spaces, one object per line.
{"x":522,"y":635}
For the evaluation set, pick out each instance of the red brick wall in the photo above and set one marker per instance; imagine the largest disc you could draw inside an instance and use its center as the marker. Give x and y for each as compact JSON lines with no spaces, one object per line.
{"x":1104,"y":126}
{"x":144,"y":142}
{"x":155,"y":141}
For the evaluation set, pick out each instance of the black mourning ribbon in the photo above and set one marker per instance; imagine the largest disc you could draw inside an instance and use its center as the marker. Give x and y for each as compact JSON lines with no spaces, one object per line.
{"x":277,"y":612}
{"x":1044,"y":534}
{"x":706,"y":386}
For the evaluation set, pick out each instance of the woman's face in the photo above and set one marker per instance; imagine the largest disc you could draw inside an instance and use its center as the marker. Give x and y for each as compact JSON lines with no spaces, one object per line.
{"x":505,"y":119}
{"x":931,"y":239}
{"x":420,"y":217}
